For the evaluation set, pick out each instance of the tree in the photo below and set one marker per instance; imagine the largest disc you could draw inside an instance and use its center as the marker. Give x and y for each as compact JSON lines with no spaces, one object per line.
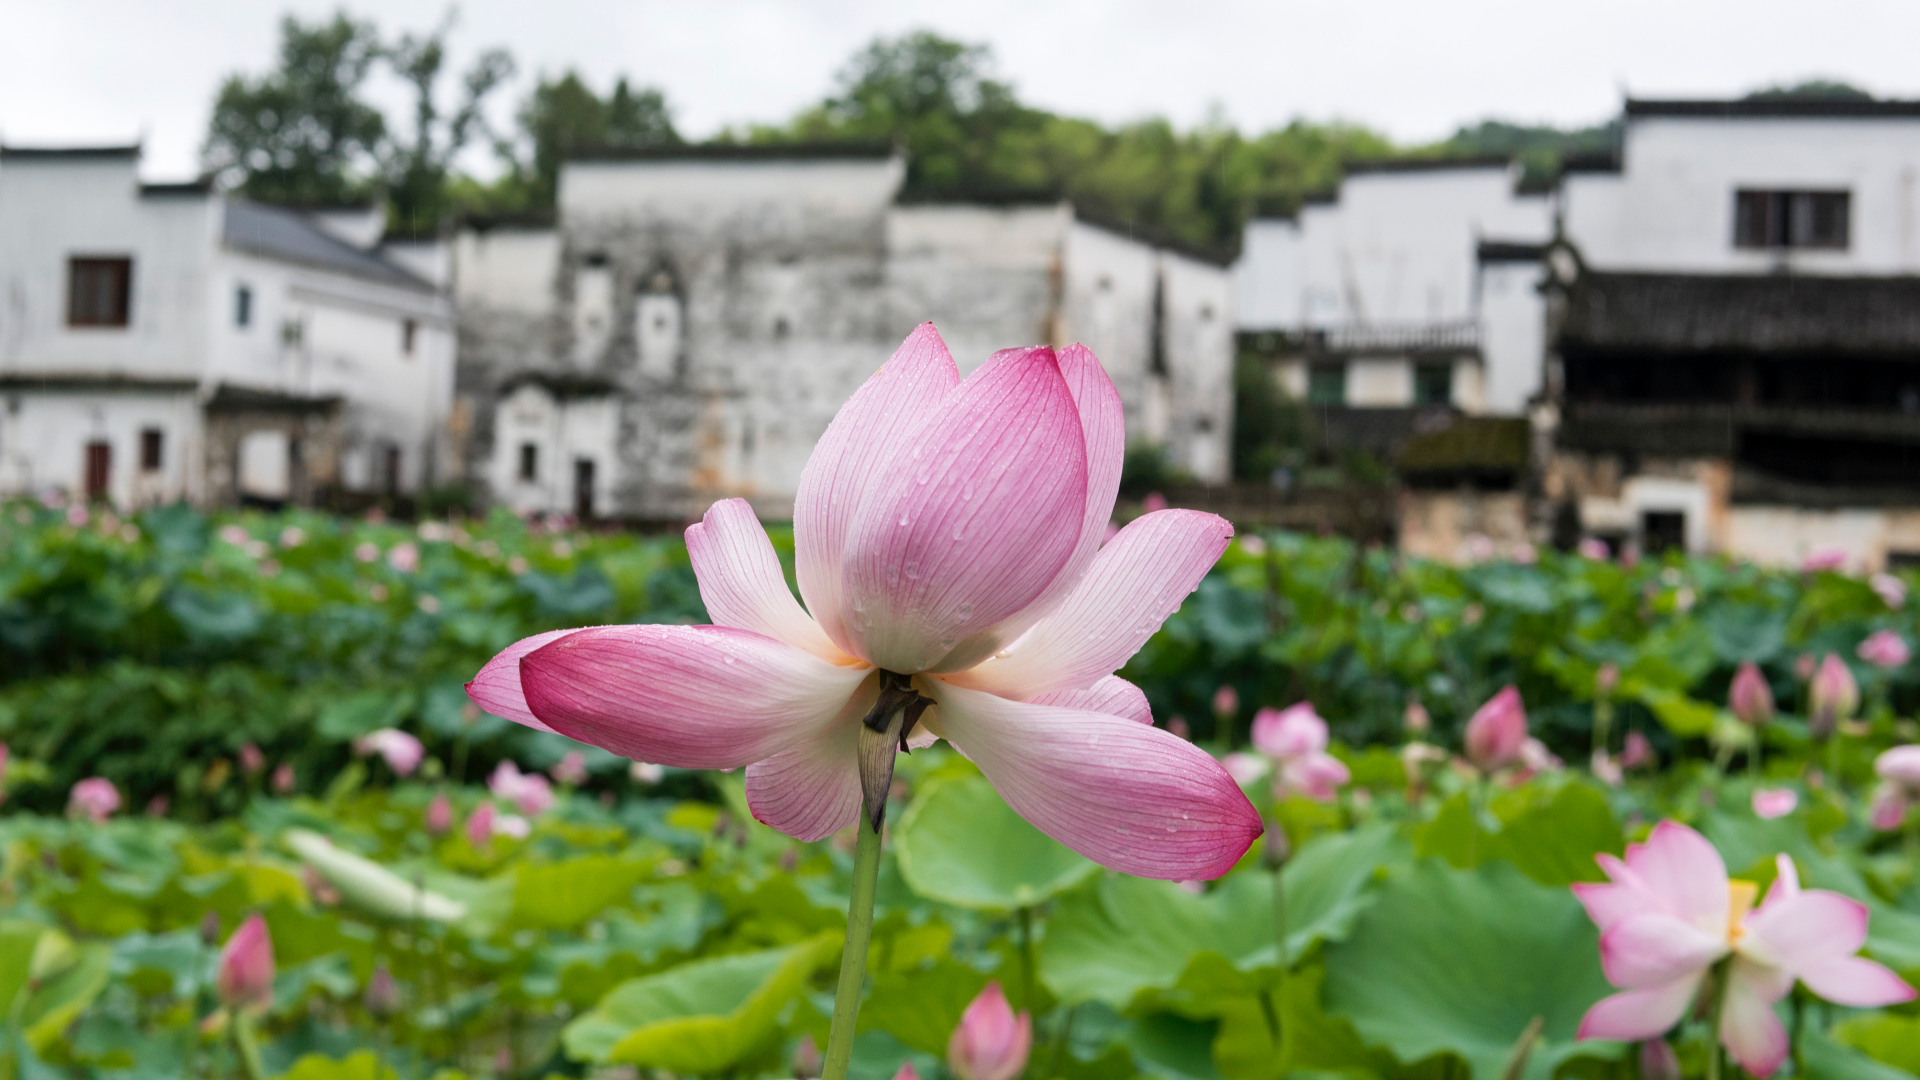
{"x":417,"y":172}
{"x":564,"y":118}
{"x":1812,"y":90}
{"x":301,"y":134}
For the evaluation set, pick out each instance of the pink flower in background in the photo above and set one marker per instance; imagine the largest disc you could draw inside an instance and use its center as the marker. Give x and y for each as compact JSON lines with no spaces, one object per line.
{"x":1803,"y":666}
{"x":405,"y":557}
{"x":1832,"y":696}
{"x":907,"y":1072}
{"x":1890,"y":589}
{"x":480,"y":825}
{"x":1637,"y":752}
{"x":1593,"y":548}
{"x":94,"y":798}
{"x":1749,"y":696}
{"x":251,"y":759}
{"x":1295,"y":739}
{"x":401,"y":751}
{"x":1498,"y":731}
{"x":1535,"y":758}
{"x":283,"y":779}
{"x":1658,"y":1061}
{"x":439,"y":815}
{"x":1900,"y":765}
{"x":947,"y":542}
{"x":1246,"y":769}
{"x":366,"y":551}
{"x":990,"y":1043}
{"x":512,"y":826}
{"x":1606,"y":679}
{"x":528,"y":791}
{"x":572,"y":769}
{"x":234,"y":534}
{"x":1416,"y":719}
{"x":1153,"y":503}
{"x":1825,"y":557}
{"x":1607,"y":769}
{"x":1770,"y":803}
{"x":1479,"y":547}
{"x":1669,"y":913}
{"x":1885,"y":648}
{"x":1525,"y":554}
{"x":245,"y":977}
{"x":1899,"y":772}
{"x":1888,"y":811}
{"x":1226,"y":702}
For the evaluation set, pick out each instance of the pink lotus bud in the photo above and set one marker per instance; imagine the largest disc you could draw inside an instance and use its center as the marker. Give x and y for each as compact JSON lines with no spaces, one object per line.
{"x":439,"y":815}
{"x":1417,"y":720}
{"x":1889,"y":809}
{"x":158,"y":806}
{"x":1536,"y":758}
{"x":1318,"y":776}
{"x":1803,"y":666}
{"x":366,"y":551}
{"x":1245,"y":768}
{"x":1177,"y":727}
{"x":907,"y":1072}
{"x":1153,"y":503}
{"x":990,"y":1043}
{"x":1226,"y":702}
{"x":251,"y":759}
{"x":1900,"y":765}
{"x":1885,"y":648}
{"x":1824,"y":557}
{"x":1770,"y":803}
{"x":1658,"y":1061}
{"x":1593,"y":548}
{"x":401,"y":751}
{"x":529,"y":791}
{"x":1497,"y":731}
{"x":1638,"y":752}
{"x":1606,"y":679}
{"x":480,"y":825}
{"x":383,"y":993}
{"x":405,"y":557}
{"x":1750,"y":698}
{"x":1832,"y":696}
{"x":1891,"y":589}
{"x":1291,"y":732}
{"x":94,"y":798}
{"x":807,"y":1059}
{"x":283,"y":780}
{"x":245,"y":980}
{"x":1606,"y":769}
{"x":572,"y":769}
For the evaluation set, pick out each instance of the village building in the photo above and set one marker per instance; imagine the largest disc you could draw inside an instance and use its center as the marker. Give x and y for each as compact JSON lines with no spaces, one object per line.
{"x":691,"y":319}
{"x":161,"y":342}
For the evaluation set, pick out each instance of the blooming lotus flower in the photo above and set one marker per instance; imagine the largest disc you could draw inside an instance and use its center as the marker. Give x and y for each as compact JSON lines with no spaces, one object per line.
{"x":94,"y":798}
{"x":1900,"y":765}
{"x":251,"y":759}
{"x":245,"y":978}
{"x":1886,"y":649}
{"x":480,"y":825}
{"x":528,"y":791}
{"x":1295,"y":739}
{"x":990,"y":1043}
{"x":1890,"y":589}
{"x":1749,"y":696}
{"x":1226,"y":702}
{"x":1770,"y":803}
{"x":1498,"y":731}
{"x":405,"y":557}
{"x":572,"y":769}
{"x":1899,"y":772}
{"x":1607,"y":769}
{"x":947,"y":543}
{"x":401,"y":751}
{"x":1592,"y":548}
{"x":1670,"y":913}
{"x":1637,"y":752}
{"x":1888,"y":811}
{"x":439,"y":815}
{"x":1832,"y":696}
{"x":1825,"y":557}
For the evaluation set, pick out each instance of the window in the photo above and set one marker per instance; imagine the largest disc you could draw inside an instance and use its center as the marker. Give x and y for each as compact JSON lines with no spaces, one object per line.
{"x":1433,"y":384}
{"x":583,"y":489}
{"x":243,"y":306}
{"x":99,"y":470}
{"x":1327,"y":384}
{"x":529,"y":463}
{"x":152,"y":443}
{"x":390,"y":470}
{"x":1661,"y":530}
{"x":408,"y":328}
{"x":99,"y":291}
{"x":1791,"y":219}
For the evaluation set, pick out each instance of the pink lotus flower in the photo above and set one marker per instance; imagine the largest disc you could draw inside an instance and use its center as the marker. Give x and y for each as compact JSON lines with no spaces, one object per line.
{"x":251,"y":759}
{"x":512,"y":826}
{"x":1498,"y":731}
{"x":990,"y":1043}
{"x":401,"y":751}
{"x":1890,"y":589}
{"x":1593,"y":548}
{"x":1832,"y":696}
{"x":1900,"y":765}
{"x":245,"y":978}
{"x":1637,"y":752}
{"x":1226,"y":702}
{"x":571,"y":770}
{"x":283,"y":779}
{"x":1670,"y":913}
{"x":907,"y":1072}
{"x":1770,"y":803}
{"x":1888,"y":811}
{"x":1295,"y":738}
{"x":1825,"y":557}
{"x":1607,"y":769}
{"x":480,"y":825}
{"x":947,"y":542}
{"x":1153,"y":503}
{"x":1899,"y":772}
{"x":528,"y":791}
{"x":1658,"y":1061}
{"x":1885,"y":648}
{"x":405,"y":557}
{"x":1416,"y":719}
{"x":439,"y":815}
{"x":94,"y":798}
{"x":1749,"y":696}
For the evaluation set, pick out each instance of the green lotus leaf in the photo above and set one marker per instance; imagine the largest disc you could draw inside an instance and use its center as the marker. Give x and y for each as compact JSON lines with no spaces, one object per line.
{"x":960,"y":844}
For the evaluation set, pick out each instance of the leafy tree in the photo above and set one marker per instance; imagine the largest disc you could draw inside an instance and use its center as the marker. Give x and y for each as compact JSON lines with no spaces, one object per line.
{"x":565,"y":117}
{"x":302,"y":134}
{"x":1812,"y":90}
{"x":417,"y":172}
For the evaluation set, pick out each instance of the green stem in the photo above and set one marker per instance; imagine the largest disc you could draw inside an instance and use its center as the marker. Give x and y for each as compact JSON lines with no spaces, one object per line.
{"x":1715,"y":1053}
{"x":1026,"y":961}
{"x":1280,"y":951}
{"x":249,"y":1048}
{"x":853,"y":961}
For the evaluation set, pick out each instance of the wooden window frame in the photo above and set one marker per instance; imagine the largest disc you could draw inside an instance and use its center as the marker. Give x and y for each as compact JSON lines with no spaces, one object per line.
{"x":83,"y":271}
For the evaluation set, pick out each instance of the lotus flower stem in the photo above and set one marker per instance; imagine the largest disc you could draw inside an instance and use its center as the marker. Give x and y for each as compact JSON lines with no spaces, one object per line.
{"x":1026,"y":960}
{"x":1716,"y":1054}
{"x":248,"y":1047}
{"x":853,"y":961}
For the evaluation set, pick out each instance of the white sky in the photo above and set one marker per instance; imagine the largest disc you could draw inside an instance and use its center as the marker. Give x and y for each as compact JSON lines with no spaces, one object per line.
{"x":81,"y":71}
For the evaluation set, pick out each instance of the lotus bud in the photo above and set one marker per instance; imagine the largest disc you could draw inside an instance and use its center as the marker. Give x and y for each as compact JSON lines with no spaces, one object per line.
{"x":528,"y":791}
{"x":1901,"y":766}
{"x":1770,"y":803}
{"x":1226,"y":702}
{"x":990,"y":1043}
{"x":210,"y":929}
{"x":1638,"y":751}
{"x":383,"y":994}
{"x":1498,"y":731}
{"x":480,"y":825}
{"x":572,"y":769}
{"x":1416,"y":719}
{"x":807,"y":1059}
{"x":907,"y":1072}
{"x":1177,"y":727}
{"x":1889,"y":809}
{"x":283,"y":779}
{"x":251,"y":759}
{"x":1885,"y":649}
{"x":94,"y":798}
{"x":1750,"y":698}
{"x":439,"y":815}
{"x":1277,"y":849}
{"x":1606,"y":679}
{"x":1606,"y":769}
{"x":1833,"y":696}
{"x":401,"y":751}
{"x":1890,"y":589}
{"x":245,"y":979}
{"x":1593,"y":548}
{"x":1658,"y":1061}
{"x":1803,"y":666}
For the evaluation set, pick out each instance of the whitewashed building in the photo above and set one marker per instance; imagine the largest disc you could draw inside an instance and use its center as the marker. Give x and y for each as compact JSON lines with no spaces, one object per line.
{"x":691,"y":320}
{"x":1734,"y":341}
{"x":162,"y":342}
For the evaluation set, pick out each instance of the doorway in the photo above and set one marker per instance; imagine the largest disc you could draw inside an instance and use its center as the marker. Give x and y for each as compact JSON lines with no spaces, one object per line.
{"x":583,"y":489}
{"x":99,"y":469}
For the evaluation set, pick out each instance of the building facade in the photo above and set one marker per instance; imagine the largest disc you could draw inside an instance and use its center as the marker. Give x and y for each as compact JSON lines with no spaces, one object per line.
{"x":161,"y":342}
{"x":690,"y":322}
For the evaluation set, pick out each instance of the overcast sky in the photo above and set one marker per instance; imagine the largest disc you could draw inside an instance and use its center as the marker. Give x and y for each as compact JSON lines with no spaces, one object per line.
{"x":112,"y":70}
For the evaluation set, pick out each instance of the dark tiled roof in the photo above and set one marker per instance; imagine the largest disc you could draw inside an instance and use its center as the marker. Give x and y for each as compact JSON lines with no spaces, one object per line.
{"x":67,"y":153}
{"x":187,"y":188}
{"x":739,"y":152}
{"x":1398,"y":165}
{"x":1510,"y":251}
{"x":1761,"y":313}
{"x":1774,"y":108}
{"x":289,"y":235}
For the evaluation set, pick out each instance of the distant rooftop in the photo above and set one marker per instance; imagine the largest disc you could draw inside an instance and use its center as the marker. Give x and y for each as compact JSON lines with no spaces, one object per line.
{"x":1433,"y":164}
{"x":847,"y":150}
{"x":279,"y":233}
{"x":1758,"y":313}
{"x":1762,"y":108}
{"x":67,"y":153}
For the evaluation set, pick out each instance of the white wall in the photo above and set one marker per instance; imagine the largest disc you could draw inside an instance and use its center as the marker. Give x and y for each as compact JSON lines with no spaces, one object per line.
{"x":44,"y":436}
{"x":1268,"y":292}
{"x":560,"y":432}
{"x":1197,"y":306}
{"x":1672,"y":206}
{"x":507,"y":269}
{"x":695,"y":189}
{"x":984,"y":275}
{"x":1513,"y":329}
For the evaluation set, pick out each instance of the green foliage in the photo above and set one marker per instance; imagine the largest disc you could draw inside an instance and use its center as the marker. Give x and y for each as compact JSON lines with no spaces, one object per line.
{"x":961,"y":845}
{"x":565,"y":118}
